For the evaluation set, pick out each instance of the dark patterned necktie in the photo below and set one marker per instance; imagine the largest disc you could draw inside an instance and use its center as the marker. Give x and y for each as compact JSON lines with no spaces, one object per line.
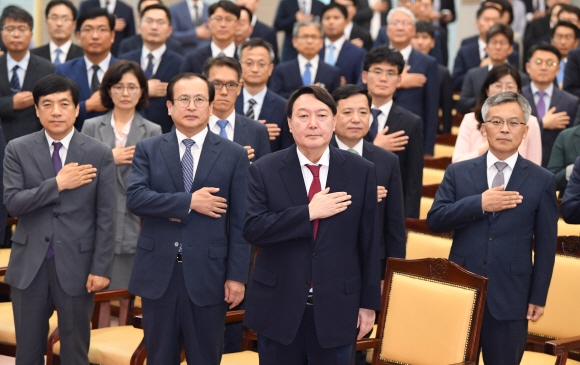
{"x":250,"y":112}
{"x":95,"y":83}
{"x":57,"y":166}
{"x":15,"y":81}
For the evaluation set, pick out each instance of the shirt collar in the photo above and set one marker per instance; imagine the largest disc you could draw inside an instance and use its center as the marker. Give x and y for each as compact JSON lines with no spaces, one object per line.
{"x":302,"y":61}
{"x":64,"y":48}
{"x":229,"y":51}
{"x":385,"y":108}
{"x":198,"y":138}
{"x":65,"y":141}
{"x":156,"y":53}
{"x":547,"y":92}
{"x":259,"y":97}
{"x":23,"y":63}
{"x":337,"y":44}
{"x":231,"y":119}
{"x":348,"y":30}
{"x":358,"y":147}
{"x":254,"y":20}
{"x":406,"y":52}
{"x":511,"y":161}
{"x":112,"y":3}
{"x":324,"y":159}
{"x":199,"y":5}
{"x":104,"y":64}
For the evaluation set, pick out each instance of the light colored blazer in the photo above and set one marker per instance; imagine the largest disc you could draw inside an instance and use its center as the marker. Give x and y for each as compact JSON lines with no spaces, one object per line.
{"x":128,"y":224}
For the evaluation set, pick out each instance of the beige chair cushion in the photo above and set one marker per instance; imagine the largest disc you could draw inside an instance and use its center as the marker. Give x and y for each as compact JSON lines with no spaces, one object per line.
{"x":442,"y":150}
{"x":420,"y":245}
{"x":565,"y":229}
{"x":239,"y":358}
{"x":418,"y":311}
{"x":426,"y":204}
{"x":562,"y":315}
{"x":432,"y":176}
{"x":112,"y":345}
{"x":537,"y":358}
{"x":7,"y":331}
{"x":4,"y":256}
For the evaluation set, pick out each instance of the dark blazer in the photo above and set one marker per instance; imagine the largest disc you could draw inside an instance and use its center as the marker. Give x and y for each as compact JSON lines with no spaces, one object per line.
{"x":17,"y":123}
{"x":136,"y":42}
{"x":349,"y":61}
{"x":563,"y":101}
{"x":436,"y":52}
{"x":183,"y":29}
{"x":267,"y":33}
{"x":168,"y":68}
{"x":393,"y":236}
{"x":285,"y":19}
{"x":44,"y":52}
{"x":213,"y":249}
{"x":445,"y":98}
{"x":271,"y":112}
{"x":84,"y":231}
{"x":565,"y":151}
{"x":77,"y":70}
{"x":286,"y":77}
{"x":363,"y":34}
{"x":248,"y":132}
{"x":499,"y":246}
{"x":572,"y":73}
{"x":570,"y":207}
{"x":535,"y":30}
{"x":343,"y":262}
{"x":123,"y":11}
{"x":194,"y":60}
{"x":411,"y":158}
{"x":364,"y":14}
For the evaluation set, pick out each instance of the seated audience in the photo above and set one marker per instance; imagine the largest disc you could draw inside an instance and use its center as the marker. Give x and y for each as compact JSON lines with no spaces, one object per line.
{"x":564,"y":153}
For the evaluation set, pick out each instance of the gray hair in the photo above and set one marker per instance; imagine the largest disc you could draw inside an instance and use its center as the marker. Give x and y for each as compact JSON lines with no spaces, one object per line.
{"x":304,"y":23}
{"x":401,"y":9}
{"x":256,"y":42}
{"x":507,"y":97}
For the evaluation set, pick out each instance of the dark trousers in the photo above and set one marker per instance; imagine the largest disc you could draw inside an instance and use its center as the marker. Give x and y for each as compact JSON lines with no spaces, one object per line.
{"x":305,"y":349}
{"x":33,"y":307}
{"x":502,"y":342}
{"x":174,"y":320}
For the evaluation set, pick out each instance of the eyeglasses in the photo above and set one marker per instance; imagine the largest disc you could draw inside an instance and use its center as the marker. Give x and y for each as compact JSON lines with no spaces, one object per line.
{"x":151,"y":21}
{"x":227,"y":20}
{"x":308,"y":37}
{"x":13,"y":30}
{"x":549,"y":63}
{"x":55,"y":18}
{"x":230,"y":86}
{"x":498,"y":86}
{"x":378,"y":72}
{"x":184,"y":101}
{"x":131,"y":89}
{"x":251,"y":64}
{"x":100,"y":30}
{"x":498,"y":43}
{"x":497,"y":122}
{"x":567,"y":37}
{"x":401,"y":24}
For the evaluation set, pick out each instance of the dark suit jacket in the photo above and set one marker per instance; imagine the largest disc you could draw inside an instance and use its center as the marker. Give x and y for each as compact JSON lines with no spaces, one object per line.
{"x":563,"y":101}
{"x":84,"y":229}
{"x":572,"y":73}
{"x":248,"y":132}
{"x":349,"y":61}
{"x":168,"y":68}
{"x":183,"y":29}
{"x":136,"y":42}
{"x":286,"y":77}
{"x":271,"y":112}
{"x":17,"y":123}
{"x":436,"y":52}
{"x":411,"y":158}
{"x":194,"y":60}
{"x":285,"y":19}
{"x":268,"y":34}
{"x":499,"y":246}
{"x":363,"y":34}
{"x":535,"y":30}
{"x":393,"y":236}
{"x":44,"y":52}
{"x":343,"y":262}
{"x":570,"y":208}
{"x":445,"y":98}
{"x":364,"y":14}
{"x":123,"y":11}
{"x":213,"y":249}
{"x":565,"y":151}
{"x":77,"y":70}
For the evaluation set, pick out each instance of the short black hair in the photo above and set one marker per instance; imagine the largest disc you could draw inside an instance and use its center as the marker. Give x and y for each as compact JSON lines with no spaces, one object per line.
{"x":566,"y":24}
{"x":506,"y":8}
{"x":227,"y":6}
{"x":384,"y":54}
{"x":484,"y":8}
{"x":222,"y":61}
{"x":354,"y":2}
{"x":348,"y":90}
{"x":426,"y":27}
{"x":16,"y":13}
{"x":142,"y":1}
{"x":157,"y":6}
{"x":338,"y":6}
{"x":257,"y":42}
{"x":66,"y":3}
{"x":188,"y":76}
{"x":499,"y":28}
{"x":94,"y":13}
{"x":114,"y":75}
{"x":248,"y":11}
{"x":569,"y":9}
{"x":544,"y":46}
{"x":318,"y":92}
{"x":54,"y":83}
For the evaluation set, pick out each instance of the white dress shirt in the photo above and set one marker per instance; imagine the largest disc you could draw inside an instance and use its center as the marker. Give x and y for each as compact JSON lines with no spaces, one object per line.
{"x":103,"y":67}
{"x":63,"y":149}
{"x":259,"y":98}
{"x":199,"y":139}
{"x":348,"y":30}
{"x":121,"y":136}
{"x":302,"y":61}
{"x":305,"y":6}
{"x":481,"y":46}
{"x":547,"y":95}
{"x":358,"y":147}
{"x":382,"y":118}
{"x":229,"y":51}
{"x":375,"y":25}
{"x":507,"y":171}
{"x":22,"y":67}
{"x":337,"y":47}
{"x":307,"y":175}
{"x":64,"y":51}
{"x":110,"y":7}
{"x":157,"y":55}
{"x":214,"y":127}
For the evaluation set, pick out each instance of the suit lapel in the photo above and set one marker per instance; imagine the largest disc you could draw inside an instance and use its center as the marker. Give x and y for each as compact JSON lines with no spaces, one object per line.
{"x":394,"y":119}
{"x":42,"y":155}
{"x":291,"y":175}
{"x":240,"y":132}
{"x":368,"y":153}
{"x":527,"y":92}
{"x":479,"y":174}
{"x":30,"y":77}
{"x":240,"y":103}
{"x":4,"y":81}
{"x":76,"y":152}
{"x":209,"y":154}
{"x":106,"y":130}
{"x":517,"y":178}
{"x":170,"y":152}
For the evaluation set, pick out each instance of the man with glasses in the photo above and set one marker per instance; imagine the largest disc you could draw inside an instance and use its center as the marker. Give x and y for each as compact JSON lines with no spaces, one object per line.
{"x":501,"y":207}
{"x":225,"y":73}
{"x":159,"y":62}
{"x":22,"y":70}
{"x":190,"y":187}
{"x":95,"y":31}
{"x":565,"y":39}
{"x":222,"y":23}
{"x":554,"y":108}
{"x":61,"y":18}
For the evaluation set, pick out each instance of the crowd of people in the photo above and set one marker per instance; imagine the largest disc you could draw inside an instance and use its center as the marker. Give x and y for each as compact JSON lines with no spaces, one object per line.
{"x":204,"y":168}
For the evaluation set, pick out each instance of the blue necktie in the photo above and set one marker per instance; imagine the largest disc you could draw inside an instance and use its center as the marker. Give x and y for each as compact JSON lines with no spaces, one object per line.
{"x":541,"y":104}
{"x":374,"y":129}
{"x":307,"y":76}
{"x":15,"y":81}
{"x":223,"y":124}
{"x":57,"y":166}
{"x":330,"y":59}
{"x":560,"y":77}
{"x":149,"y":69}
{"x":187,"y":165}
{"x":57,"y":58}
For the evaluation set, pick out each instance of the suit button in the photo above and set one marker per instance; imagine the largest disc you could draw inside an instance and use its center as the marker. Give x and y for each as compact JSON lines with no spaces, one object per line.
{"x":46,"y":239}
{"x":314,"y":255}
{"x":484,"y":261}
{"x":176,"y":244}
{"x":55,"y":215}
{"x":491,"y":238}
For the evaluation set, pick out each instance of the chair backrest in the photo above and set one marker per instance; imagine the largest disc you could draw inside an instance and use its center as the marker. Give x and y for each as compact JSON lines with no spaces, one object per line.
{"x":432,"y":176}
{"x":424,"y":243}
{"x":431,"y":313}
{"x":443,"y":150}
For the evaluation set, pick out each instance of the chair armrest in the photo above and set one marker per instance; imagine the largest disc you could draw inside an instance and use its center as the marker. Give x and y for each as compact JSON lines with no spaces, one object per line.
{"x":367,"y":344}
{"x":110,"y":294}
{"x":465,"y":363}
{"x":235,"y":316}
{"x":562,"y":346}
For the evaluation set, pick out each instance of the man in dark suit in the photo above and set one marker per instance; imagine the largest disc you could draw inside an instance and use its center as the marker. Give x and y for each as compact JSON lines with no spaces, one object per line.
{"x":163,"y":64}
{"x":256,"y":101}
{"x":189,"y":24}
{"x":61,"y":18}
{"x":225,"y":73}
{"x":307,"y":68}
{"x":289,"y":13}
{"x":553,"y":107}
{"x":392,"y":127}
{"x":189,"y":185}
{"x":19,"y":71}
{"x":337,"y":50}
{"x":570,"y":208}
{"x":355,"y":33}
{"x":564,"y":153}
{"x":572,"y":73}
{"x":565,"y":38}
{"x":537,"y":29}
{"x":500,"y":205}
{"x":64,"y":242}
{"x":222,"y":22}
{"x":96,"y":34}
{"x":124,"y":20}
{"x":312,"y":211}
{"x":261,"y":30}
